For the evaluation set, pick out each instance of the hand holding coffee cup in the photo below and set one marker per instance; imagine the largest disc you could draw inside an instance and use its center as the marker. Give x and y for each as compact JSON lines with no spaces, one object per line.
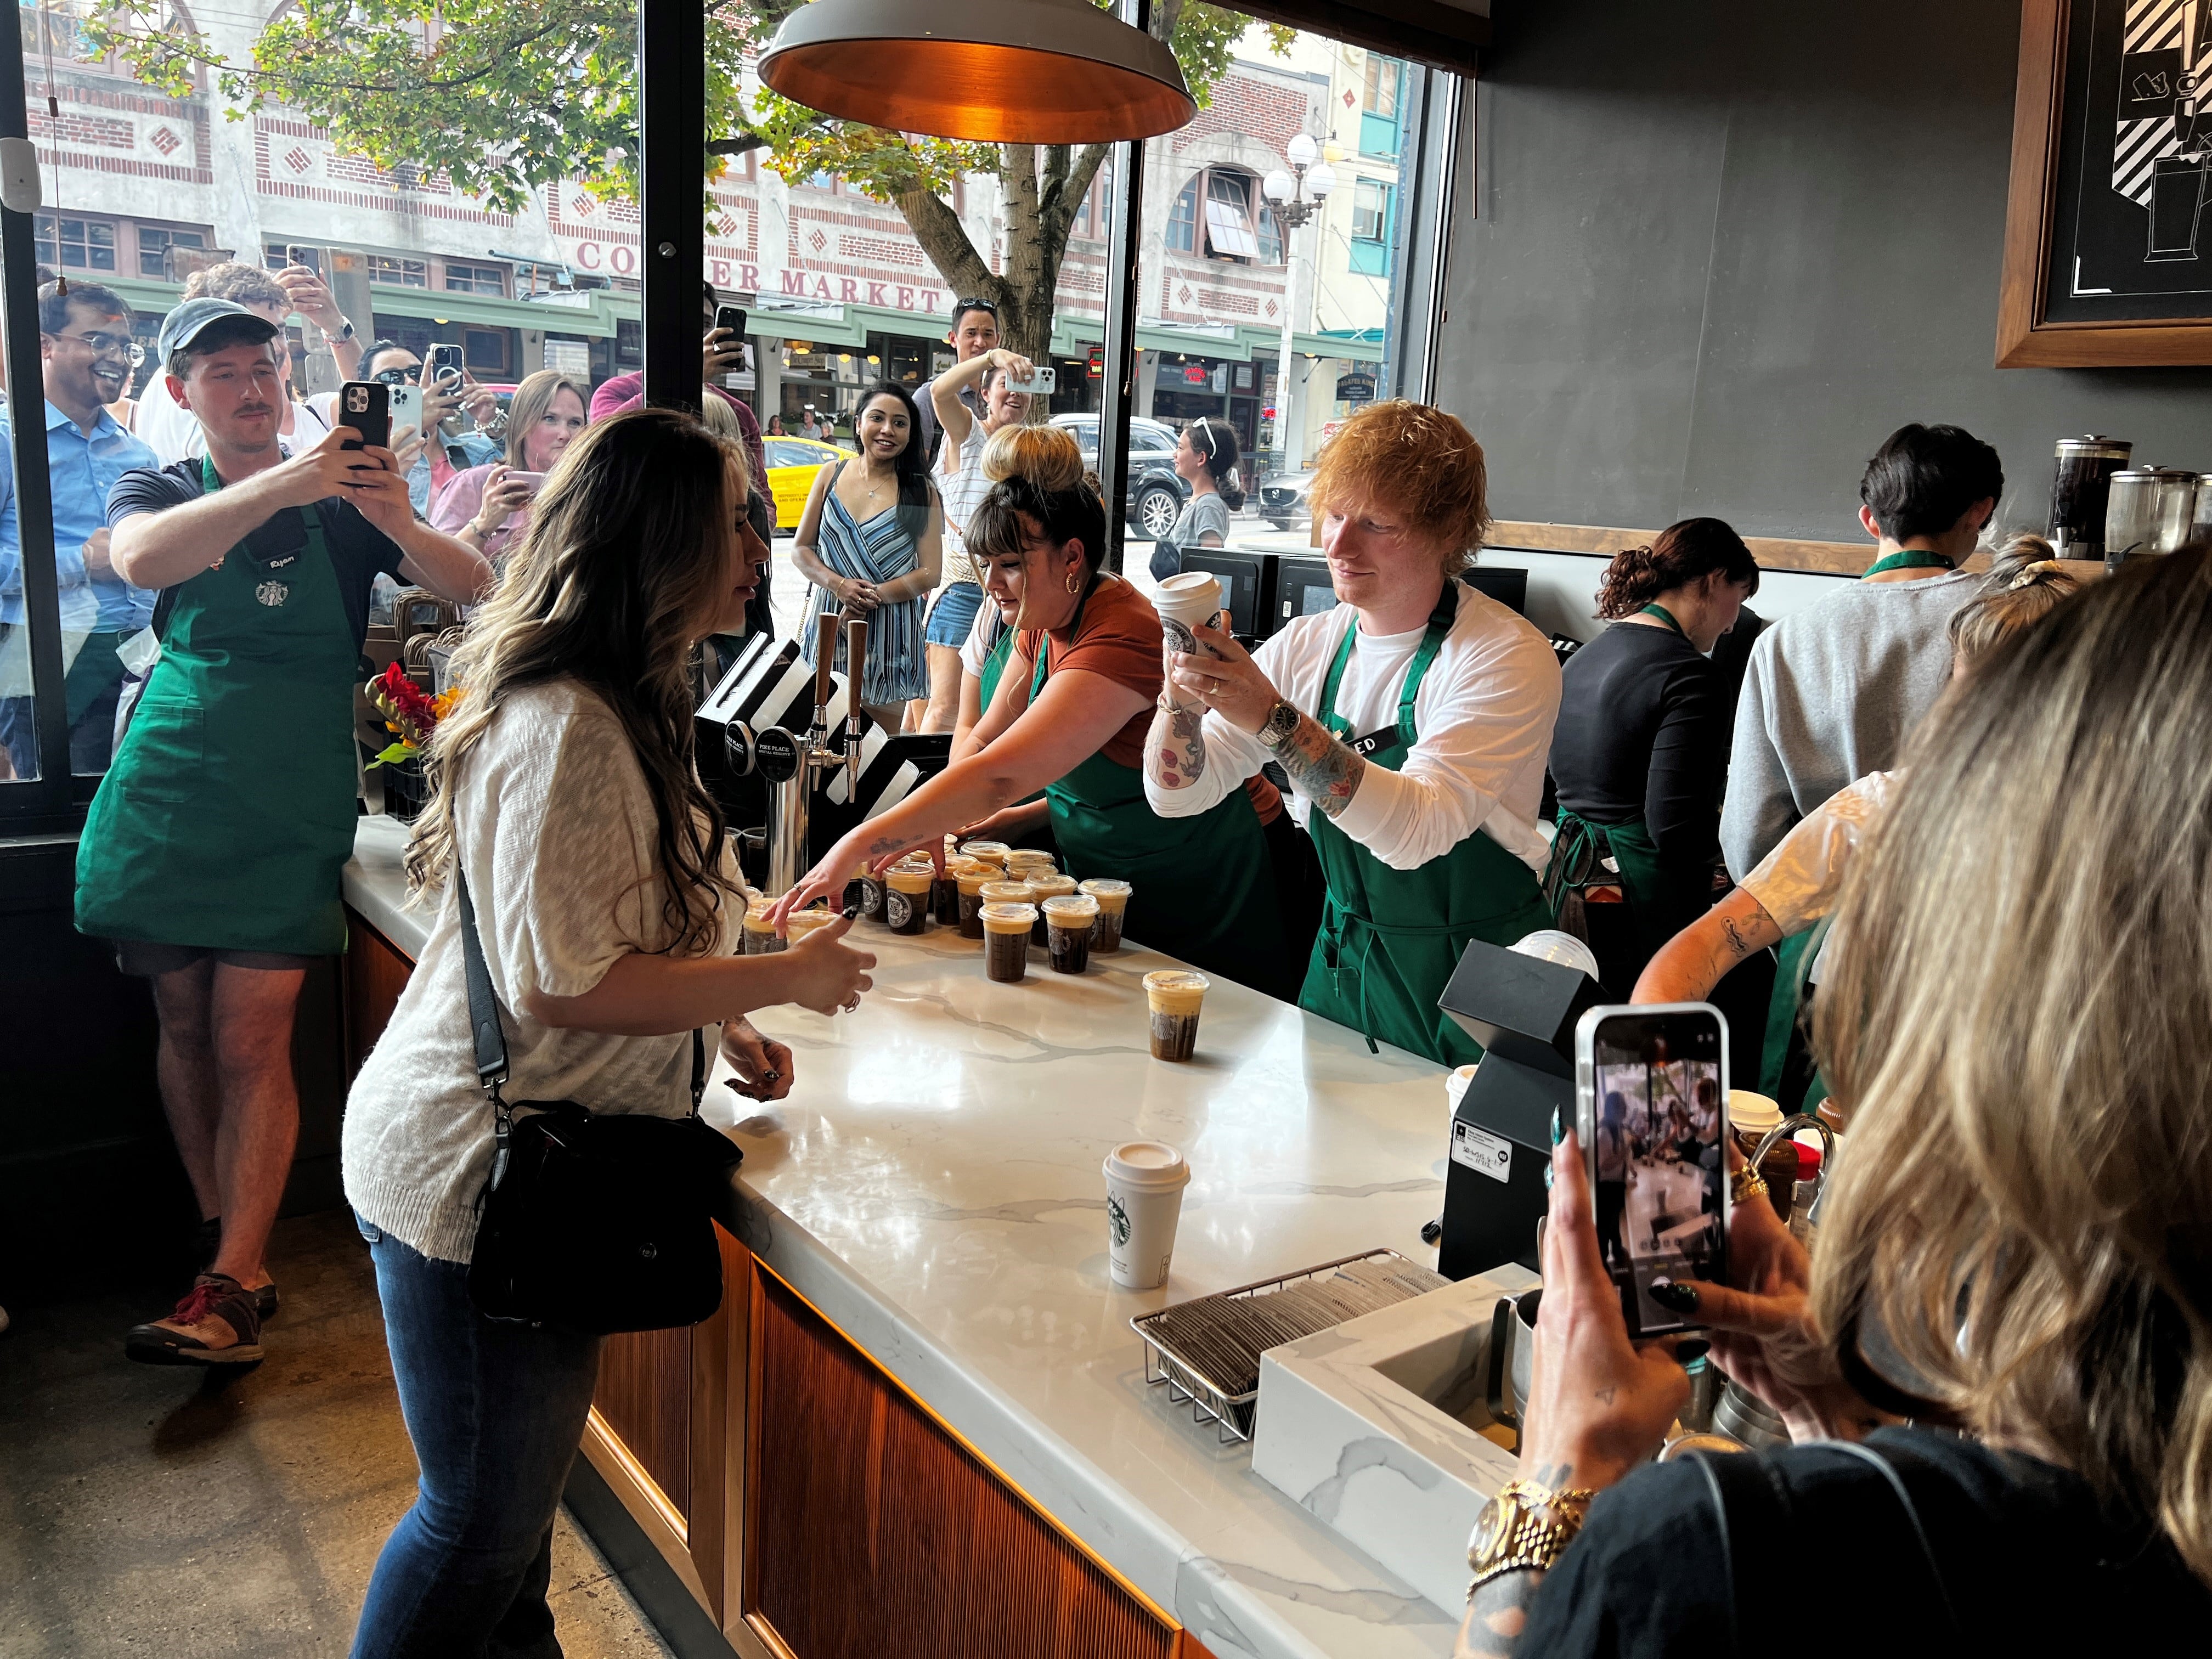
{"x":1219,"y":674}
{"x":1186,"y":602}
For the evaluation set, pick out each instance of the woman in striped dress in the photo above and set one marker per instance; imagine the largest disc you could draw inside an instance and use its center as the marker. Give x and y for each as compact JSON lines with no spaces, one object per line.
{"x":869,"y":541}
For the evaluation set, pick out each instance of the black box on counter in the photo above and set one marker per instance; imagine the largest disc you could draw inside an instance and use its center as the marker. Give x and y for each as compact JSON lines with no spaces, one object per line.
{"x":1522,"y":1009}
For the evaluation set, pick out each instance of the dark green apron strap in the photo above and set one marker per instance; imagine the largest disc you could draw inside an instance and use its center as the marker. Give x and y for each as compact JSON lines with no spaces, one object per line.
{"x":1908,"y":558}
{"x":1664,"y":616}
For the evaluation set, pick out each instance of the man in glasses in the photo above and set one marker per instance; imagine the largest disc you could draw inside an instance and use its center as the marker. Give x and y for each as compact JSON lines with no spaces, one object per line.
{"x":974,"y":330}
{"x":87,"y":354}
{"x":445,"y":454}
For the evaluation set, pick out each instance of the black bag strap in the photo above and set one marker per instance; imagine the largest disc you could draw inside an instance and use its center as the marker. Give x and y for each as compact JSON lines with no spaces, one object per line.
{"x":1757,"y":1525}
{"x":491,"y":1041}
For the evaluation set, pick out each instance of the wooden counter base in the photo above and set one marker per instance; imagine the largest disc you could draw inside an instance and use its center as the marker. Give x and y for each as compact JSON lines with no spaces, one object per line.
{"x":813,"y":1506}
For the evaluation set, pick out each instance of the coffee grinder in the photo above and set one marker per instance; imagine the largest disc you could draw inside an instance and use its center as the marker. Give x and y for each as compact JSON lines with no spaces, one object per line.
{"x":1522,"y":1009}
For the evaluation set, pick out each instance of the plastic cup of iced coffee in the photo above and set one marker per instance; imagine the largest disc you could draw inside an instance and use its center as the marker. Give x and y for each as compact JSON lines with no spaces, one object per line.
{"x":1006,"y":941}
{"x":1173,"y":995}
{"x":1113,"y":898}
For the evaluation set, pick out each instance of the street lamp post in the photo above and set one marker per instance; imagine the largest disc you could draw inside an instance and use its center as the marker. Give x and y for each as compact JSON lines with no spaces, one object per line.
{"x":1296,"y":196}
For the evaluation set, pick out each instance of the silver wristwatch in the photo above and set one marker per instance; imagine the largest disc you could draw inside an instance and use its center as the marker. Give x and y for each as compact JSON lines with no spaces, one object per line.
{"x":1282,"y":721}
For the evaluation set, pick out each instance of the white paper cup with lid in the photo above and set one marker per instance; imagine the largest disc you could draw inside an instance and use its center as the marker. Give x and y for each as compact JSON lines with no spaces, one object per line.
{"x":1144,"y":1179}
{"x":1187,"y":602}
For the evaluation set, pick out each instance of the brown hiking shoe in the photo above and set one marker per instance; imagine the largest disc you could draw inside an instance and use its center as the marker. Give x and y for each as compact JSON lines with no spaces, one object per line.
{"x":216,"y":1324}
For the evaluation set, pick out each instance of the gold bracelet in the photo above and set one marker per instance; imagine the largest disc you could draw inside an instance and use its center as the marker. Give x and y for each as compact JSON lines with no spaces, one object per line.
{"x":1512,"y":1536}
{"x":1745,"y":1183}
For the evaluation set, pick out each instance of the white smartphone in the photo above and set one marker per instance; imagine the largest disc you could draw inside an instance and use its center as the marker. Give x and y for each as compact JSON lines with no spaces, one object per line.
{"x":406,"y":407}
{"x":1045,"y":380}
{"x":1651,"y":1085}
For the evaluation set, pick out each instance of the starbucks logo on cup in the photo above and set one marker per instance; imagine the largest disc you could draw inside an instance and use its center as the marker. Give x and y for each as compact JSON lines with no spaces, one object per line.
{"x":1117,"y":1220}
{"x":898,"y":908}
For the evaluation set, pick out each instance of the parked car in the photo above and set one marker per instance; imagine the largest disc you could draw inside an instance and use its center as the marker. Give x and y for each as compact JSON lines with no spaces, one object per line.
{"x":792,"y":465}
{"x":1156,"y":494}
{"x":1286,"y":499}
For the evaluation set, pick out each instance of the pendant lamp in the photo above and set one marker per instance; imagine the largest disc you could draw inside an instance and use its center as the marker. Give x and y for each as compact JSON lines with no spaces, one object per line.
{"x":992,"y":72}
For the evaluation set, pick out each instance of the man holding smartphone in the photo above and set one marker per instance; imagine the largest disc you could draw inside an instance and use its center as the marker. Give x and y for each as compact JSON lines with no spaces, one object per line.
{"x":974,"y":331}
{"x":212,"y":852}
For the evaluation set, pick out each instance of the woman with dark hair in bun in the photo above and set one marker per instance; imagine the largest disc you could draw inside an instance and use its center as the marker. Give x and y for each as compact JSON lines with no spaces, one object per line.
{"x":1640,"y":753}
{"x":1068,"y":714}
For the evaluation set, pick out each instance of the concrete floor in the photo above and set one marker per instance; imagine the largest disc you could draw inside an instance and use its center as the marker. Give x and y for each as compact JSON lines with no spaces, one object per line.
{"x":153,"y":1511}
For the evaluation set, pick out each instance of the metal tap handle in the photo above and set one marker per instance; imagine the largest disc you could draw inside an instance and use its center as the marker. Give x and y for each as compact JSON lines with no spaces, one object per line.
{"x":825,"y":648}
{"x":856,"y":718}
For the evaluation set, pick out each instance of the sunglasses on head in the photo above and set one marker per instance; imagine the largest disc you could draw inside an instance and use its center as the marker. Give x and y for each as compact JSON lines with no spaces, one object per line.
{"x":969,"y":305}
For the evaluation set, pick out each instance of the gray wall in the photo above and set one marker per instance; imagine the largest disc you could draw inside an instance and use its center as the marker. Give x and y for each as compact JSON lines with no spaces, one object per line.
{"x":1718,"y":250}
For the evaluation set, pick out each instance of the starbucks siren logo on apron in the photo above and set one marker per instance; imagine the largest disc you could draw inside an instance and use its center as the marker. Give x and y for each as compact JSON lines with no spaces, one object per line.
{"x":272,"y":593}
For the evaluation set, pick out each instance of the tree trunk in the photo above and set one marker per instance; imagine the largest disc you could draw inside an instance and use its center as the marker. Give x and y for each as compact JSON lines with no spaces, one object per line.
{"x":1042,"y":184}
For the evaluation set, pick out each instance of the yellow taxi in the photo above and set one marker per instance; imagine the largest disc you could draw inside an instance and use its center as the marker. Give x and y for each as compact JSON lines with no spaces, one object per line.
{"x":792,"y":465}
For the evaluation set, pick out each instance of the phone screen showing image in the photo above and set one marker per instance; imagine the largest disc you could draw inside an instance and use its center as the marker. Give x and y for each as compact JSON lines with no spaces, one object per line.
{"x":1655,"y":1118}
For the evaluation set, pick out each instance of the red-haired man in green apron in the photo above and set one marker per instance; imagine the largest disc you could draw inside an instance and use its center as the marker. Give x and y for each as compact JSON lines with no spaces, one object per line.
{"x":212,"y":851}
{"x":1413,"y":721}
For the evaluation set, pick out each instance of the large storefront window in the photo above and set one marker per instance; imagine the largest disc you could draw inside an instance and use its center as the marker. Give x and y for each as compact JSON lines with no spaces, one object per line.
{"x":1231,"y":279}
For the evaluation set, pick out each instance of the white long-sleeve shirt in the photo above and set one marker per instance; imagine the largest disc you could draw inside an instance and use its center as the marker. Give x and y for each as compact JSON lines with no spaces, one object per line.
{"x":1484,"y":713}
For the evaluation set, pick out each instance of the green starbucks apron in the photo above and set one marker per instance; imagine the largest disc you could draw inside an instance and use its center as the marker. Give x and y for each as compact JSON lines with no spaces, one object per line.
{"x":1390,"y":938}
{"x":228,"y":811}
{"x":1204,"y":888}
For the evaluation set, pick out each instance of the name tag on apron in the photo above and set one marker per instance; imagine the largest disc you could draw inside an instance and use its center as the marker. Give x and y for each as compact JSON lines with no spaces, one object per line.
{"x":1367,"y":745}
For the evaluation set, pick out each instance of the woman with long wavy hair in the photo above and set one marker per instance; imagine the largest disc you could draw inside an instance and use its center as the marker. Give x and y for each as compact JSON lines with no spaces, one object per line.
{"x":609,"y":904}
{"x":2018,"y":1244}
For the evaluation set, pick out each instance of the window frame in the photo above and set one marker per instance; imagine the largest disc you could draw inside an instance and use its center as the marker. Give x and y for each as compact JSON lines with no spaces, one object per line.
{"x":1250,"y":202}
{"x":56,"y":216}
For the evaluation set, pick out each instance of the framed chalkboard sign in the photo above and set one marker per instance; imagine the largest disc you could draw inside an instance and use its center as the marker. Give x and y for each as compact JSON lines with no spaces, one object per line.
{"x":2108,"y":225}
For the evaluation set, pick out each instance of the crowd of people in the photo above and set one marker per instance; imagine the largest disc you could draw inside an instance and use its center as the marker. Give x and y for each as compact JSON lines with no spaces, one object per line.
{"x":1965,"y":802}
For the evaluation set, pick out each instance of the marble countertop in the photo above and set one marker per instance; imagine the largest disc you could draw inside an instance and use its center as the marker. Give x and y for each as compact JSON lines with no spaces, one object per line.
{"x":933,"y":1185}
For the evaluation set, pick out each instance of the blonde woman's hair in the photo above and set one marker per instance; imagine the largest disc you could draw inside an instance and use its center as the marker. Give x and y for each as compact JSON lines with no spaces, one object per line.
{"x":2015,"y":1020}
{"x":719,"y":417}
{"x":625,"y":560}
{"x":528,"y":406}
{"x":2025,"y":584}
{"x":1047,"y":456}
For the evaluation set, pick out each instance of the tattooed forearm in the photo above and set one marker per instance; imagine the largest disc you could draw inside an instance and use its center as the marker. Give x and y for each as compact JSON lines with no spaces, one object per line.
{"x":1739,"y":946}
{"x":1497,"y":1613}
{"x":1175,"y":751}
{"x":1319,"y":768}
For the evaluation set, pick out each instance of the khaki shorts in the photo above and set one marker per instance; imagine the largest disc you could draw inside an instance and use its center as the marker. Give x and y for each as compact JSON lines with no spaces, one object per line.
{"x":144,"y":961}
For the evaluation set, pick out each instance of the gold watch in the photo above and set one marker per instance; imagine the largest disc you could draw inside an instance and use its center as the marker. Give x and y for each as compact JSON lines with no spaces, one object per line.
{"x":1512,"y":1534}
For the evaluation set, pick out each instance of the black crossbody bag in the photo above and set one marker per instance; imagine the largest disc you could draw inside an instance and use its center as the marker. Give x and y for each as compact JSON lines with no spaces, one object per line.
{"x":592,"y":1221}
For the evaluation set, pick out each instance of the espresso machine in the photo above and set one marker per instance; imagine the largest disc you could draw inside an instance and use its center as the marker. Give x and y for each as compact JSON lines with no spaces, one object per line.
{"x":792,"y":758}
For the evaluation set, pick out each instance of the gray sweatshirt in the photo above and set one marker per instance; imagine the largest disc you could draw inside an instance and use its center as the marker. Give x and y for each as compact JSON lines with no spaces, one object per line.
{"x":1831,"y":695}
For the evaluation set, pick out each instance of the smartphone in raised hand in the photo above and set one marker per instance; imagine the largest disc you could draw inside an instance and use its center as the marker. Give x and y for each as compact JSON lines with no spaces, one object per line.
{"x":1043,"y":381}
{"x":365,"y":407}
{"x":1651,"y":1112}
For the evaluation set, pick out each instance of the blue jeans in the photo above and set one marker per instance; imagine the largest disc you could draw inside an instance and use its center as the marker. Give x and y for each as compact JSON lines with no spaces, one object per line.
{"x":496,"y":1412}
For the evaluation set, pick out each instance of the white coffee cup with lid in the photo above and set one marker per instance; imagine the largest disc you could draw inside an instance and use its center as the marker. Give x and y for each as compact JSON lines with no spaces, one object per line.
{"x":1186,"y":602}
{"x":1144,"y":1181}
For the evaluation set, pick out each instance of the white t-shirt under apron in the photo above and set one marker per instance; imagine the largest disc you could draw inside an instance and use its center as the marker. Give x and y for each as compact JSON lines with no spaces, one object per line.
{"x":1484,"y":713}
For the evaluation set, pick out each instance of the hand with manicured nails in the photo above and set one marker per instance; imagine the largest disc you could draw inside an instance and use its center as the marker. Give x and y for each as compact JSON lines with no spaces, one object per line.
{"x":1598,"y":1404}
{"x":824,"y":974}
{"x":764,"y":1068}
{"x":504,"y":495}
{"x":1762,"y":1327}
